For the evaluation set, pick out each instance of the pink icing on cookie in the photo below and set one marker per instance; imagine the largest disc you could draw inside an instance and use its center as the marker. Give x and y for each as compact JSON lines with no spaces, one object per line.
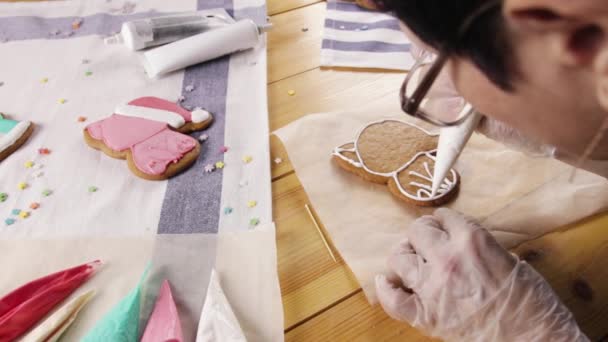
{"x":155,"y":102}
{"x":153,"y":145}
{"x":154,"y":154}
{"x":120,"y":132}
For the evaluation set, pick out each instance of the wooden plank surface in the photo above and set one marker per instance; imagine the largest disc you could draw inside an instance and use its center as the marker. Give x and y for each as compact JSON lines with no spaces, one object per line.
{"x":322,"y":300}
{"x":280,"y":6}
{"x":295,"y":41}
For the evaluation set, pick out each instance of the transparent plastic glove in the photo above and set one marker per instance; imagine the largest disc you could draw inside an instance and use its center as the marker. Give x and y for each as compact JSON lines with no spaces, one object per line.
{"x":513,"y":138}
{"x":452,"y":280}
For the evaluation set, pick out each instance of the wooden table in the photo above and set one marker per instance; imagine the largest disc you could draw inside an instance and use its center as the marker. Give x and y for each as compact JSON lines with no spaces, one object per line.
{"x":322,"y":300}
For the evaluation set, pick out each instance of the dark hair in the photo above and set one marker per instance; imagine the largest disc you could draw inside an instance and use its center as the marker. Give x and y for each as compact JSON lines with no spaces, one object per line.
{"x":437,"y":23}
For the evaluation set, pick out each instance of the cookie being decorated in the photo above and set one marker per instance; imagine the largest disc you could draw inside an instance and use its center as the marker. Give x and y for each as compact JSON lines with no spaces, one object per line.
{"x":149,"y":133}
{"x":401,"y":155}
{"x":13,"y":134}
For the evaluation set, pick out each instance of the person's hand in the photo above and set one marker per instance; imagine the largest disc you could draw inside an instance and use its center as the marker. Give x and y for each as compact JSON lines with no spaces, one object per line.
{"x":452,"y":280}
{"x":511,"y":137}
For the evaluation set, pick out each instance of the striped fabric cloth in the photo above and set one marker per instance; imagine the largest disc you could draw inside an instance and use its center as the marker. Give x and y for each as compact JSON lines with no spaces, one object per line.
{"x":356,"y":37}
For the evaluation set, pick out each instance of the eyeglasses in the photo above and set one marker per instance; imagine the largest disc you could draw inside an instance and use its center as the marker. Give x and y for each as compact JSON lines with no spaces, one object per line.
{"x":427,"y":92}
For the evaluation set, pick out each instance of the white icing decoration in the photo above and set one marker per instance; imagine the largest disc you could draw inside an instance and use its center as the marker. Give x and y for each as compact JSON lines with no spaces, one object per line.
{"x":338,"y":153}
{"x":200,"y":115}
{"x":13,"y":135}
{"x":422,"y":195}
{"x":172,"y":119}
{"x":425,"y":189}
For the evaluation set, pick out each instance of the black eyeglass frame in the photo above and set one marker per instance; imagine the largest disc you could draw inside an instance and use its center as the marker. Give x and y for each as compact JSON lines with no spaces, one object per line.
{"x":411,"y":104}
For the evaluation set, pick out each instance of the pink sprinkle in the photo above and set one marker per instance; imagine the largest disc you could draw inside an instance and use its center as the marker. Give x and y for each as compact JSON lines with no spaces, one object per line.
{"x":224,"y":149}
{"x":44,"y":151}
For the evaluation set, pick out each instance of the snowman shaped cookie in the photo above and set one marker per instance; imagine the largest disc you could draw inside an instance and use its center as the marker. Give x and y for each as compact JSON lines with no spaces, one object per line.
{"x":401,"y":155}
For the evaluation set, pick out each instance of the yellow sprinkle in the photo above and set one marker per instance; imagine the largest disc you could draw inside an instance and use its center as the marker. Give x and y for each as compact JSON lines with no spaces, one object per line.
{"x":291,"y":92}
{"x":247,"y":159}
{"x":252,"y":204}
{"x":44,"y":80}
{"x":28,"y":164}
{"x":22,"y":185}
{"x":62,"y":101}
{"x":219,"y":165}
{"x":24,"y":214}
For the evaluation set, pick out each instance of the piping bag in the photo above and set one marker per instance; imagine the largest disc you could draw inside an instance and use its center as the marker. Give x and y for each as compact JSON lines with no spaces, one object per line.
{"x":451,"y":143}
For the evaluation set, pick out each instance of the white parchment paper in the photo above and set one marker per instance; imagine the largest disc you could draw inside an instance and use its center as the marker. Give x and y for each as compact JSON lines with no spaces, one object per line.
{"x":516,"y":197}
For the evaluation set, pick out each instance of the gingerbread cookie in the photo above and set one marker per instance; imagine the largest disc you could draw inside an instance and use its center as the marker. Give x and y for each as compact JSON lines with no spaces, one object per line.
{"x":149,"y":133}
{"x":13,"y":134}
{"x":400,"y":155}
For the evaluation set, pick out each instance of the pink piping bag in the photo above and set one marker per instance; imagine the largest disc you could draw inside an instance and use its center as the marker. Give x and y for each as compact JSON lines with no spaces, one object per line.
{"x":25,"y":306}
{"x":164,"y":324}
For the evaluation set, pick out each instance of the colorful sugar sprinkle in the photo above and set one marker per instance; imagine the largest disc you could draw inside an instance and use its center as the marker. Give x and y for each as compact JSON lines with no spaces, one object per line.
{"x":88,"y":73}
{"x":224,"y":149}
{"x":209,"y":168}
{"x":82,"y":119}
{"x":252,"y":204}
{"x":47,"y":192}
{"x":24,"y":214}
{"x":44,"y":151}
{"x":93,"y":189}
{"x":228,"y":211}
{"x":247,"y":159}
{"x":22,"y":185}
{"x":3,"y":196}
{"x":76,"y":24}
{"x":35,"y":205}
{"x":220,"y":165}
{"x":9,"y":221}
{"x":15,"y":211}
{"x":254,"y":221}
{"x":28,"y":164}
{"x":62,"y":101}
{"x":291,"y":92}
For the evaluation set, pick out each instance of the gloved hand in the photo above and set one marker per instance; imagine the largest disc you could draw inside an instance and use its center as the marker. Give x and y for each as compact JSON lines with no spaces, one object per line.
{"x":509,"y":136}
{"x":452,"y":280}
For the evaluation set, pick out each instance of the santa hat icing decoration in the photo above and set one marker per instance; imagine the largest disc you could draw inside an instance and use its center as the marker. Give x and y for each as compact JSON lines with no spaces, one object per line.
{"x":149,"y":133}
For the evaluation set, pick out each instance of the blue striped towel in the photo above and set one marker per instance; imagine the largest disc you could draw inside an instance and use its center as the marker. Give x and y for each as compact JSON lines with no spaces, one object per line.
{"x":356,"y":37}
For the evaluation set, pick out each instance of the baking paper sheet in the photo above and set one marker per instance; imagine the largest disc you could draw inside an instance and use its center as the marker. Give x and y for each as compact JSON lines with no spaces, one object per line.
{"x":516,"y":197}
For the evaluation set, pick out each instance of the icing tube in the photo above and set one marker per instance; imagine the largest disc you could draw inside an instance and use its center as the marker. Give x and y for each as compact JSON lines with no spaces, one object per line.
{"x":451,"y":143}
{"x":144,"y":33}
{"x":25,"y":306}
{"x":242,"y":35}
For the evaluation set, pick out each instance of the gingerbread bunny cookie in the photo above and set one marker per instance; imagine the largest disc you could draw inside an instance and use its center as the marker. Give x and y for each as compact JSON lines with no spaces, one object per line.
{"x":400,"y":155}
{"x":149,"y":133}
{"x":13,"y":134}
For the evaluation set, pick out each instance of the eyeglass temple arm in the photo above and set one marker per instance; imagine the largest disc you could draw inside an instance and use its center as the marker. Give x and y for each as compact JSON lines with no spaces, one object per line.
{"x":413,"y":102}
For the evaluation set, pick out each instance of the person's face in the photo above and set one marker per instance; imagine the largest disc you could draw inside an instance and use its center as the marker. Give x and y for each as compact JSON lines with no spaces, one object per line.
{"x":556,"y":97}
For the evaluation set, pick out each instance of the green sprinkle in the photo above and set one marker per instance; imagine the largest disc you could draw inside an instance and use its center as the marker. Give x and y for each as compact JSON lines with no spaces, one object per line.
{"x":88,"y":73}
{"x":93,"y":189}
{"x":3,"y":196}
{"x":254,"y":222}
{"x":46,"y":192}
